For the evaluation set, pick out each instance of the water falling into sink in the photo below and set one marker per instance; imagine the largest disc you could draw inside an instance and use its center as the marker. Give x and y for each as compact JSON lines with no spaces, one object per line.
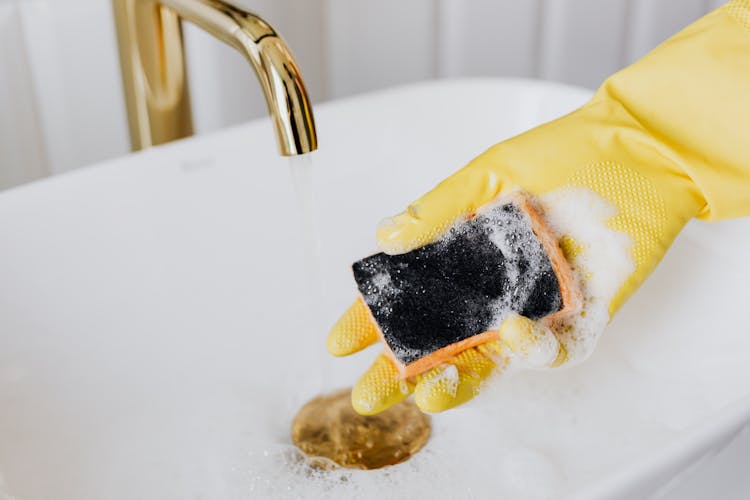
{"x":301,"y":170}
{"x":368,"y":442}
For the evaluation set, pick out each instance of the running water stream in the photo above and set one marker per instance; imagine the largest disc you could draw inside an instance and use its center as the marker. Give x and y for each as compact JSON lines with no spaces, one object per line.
{"x":301,"y":169}
{"x":327,"y":426}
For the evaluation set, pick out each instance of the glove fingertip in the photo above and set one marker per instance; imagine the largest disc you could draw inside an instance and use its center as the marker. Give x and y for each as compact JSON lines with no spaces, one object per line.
{"x":390,"y":234}
{"x":443,"y":388}
{"x":379,"y":388}
{"x":532,"y":342}
{"x":354,"y":331}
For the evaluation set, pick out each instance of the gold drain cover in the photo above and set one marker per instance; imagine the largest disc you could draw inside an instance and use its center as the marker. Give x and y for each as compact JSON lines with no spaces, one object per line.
{"x":327,"y":426}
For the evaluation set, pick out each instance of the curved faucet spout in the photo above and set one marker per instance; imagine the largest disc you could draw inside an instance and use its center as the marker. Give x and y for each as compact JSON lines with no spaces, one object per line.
{"x":155,"y":80}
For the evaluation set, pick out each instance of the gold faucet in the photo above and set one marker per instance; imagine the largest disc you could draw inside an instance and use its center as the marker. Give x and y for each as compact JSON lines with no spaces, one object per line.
{"x":155,"y":80}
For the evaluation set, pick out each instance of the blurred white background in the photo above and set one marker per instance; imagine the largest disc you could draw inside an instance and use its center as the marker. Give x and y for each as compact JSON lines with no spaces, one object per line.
{"x":61,"y":102}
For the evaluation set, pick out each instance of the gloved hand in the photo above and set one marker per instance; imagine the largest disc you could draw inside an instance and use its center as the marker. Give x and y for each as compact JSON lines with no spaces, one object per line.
{"x":660,"y":142}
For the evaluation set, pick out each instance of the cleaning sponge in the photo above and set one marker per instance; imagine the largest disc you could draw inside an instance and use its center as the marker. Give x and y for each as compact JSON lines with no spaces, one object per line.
{"x":450,"y":295}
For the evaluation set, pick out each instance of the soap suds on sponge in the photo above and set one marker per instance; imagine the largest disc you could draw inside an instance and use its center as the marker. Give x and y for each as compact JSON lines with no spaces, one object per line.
{"x":462,"y":285}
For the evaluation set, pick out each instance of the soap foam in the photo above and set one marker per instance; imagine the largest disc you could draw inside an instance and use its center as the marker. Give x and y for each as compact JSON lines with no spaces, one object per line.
{"x":602,"y":265}
{"x":512,"y":236}
{"x":543,"y":432}
{"x":447,"y":378}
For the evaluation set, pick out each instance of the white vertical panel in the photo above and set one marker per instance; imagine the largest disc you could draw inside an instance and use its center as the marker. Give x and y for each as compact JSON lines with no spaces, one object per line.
{"x":46,"y":82}
{"x":75,"y":68}
{"x":653,"y":21}
{"x":22,"y":154}
{"x":379,"y":44}
{"x":487,"y":37}
{"x":223,"y":86}
{"x":582,"y":40}
{"x":302,"y":24}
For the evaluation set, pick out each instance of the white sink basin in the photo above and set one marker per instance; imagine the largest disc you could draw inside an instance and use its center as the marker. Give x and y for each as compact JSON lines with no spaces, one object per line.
{"x":156,"y":340}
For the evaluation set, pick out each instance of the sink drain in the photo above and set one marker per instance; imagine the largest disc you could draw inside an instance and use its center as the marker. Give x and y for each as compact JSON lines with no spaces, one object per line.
{"x":328,"y":427}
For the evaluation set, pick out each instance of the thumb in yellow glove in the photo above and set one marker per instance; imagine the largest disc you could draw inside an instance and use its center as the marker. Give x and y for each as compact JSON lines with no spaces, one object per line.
{"x":661,"y":142}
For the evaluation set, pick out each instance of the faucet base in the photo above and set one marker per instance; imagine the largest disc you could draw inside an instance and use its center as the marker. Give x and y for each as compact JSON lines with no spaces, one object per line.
{"x":153,"y":72}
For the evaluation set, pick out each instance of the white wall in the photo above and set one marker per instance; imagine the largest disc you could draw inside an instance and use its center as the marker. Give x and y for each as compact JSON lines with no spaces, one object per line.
{"x":60,"y":94}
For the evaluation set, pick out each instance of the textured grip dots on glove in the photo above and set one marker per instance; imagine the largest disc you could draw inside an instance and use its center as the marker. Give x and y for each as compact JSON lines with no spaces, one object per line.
{"x":353,"y":332}
{"x":739,"y":10}
{"x":379,"y":388}
{"x":452,"y":384}
{"x":641,"y":211}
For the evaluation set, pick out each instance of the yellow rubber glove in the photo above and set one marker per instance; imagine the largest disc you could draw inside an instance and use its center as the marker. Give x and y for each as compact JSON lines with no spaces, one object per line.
{"x":661,"y":142}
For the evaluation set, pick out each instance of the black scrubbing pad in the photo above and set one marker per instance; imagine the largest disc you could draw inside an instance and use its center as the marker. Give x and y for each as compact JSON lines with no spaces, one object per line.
{"x":461,"y":285}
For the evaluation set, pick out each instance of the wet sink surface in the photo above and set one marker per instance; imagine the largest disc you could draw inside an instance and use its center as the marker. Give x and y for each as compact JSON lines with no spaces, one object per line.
{"x":155,"y":334}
